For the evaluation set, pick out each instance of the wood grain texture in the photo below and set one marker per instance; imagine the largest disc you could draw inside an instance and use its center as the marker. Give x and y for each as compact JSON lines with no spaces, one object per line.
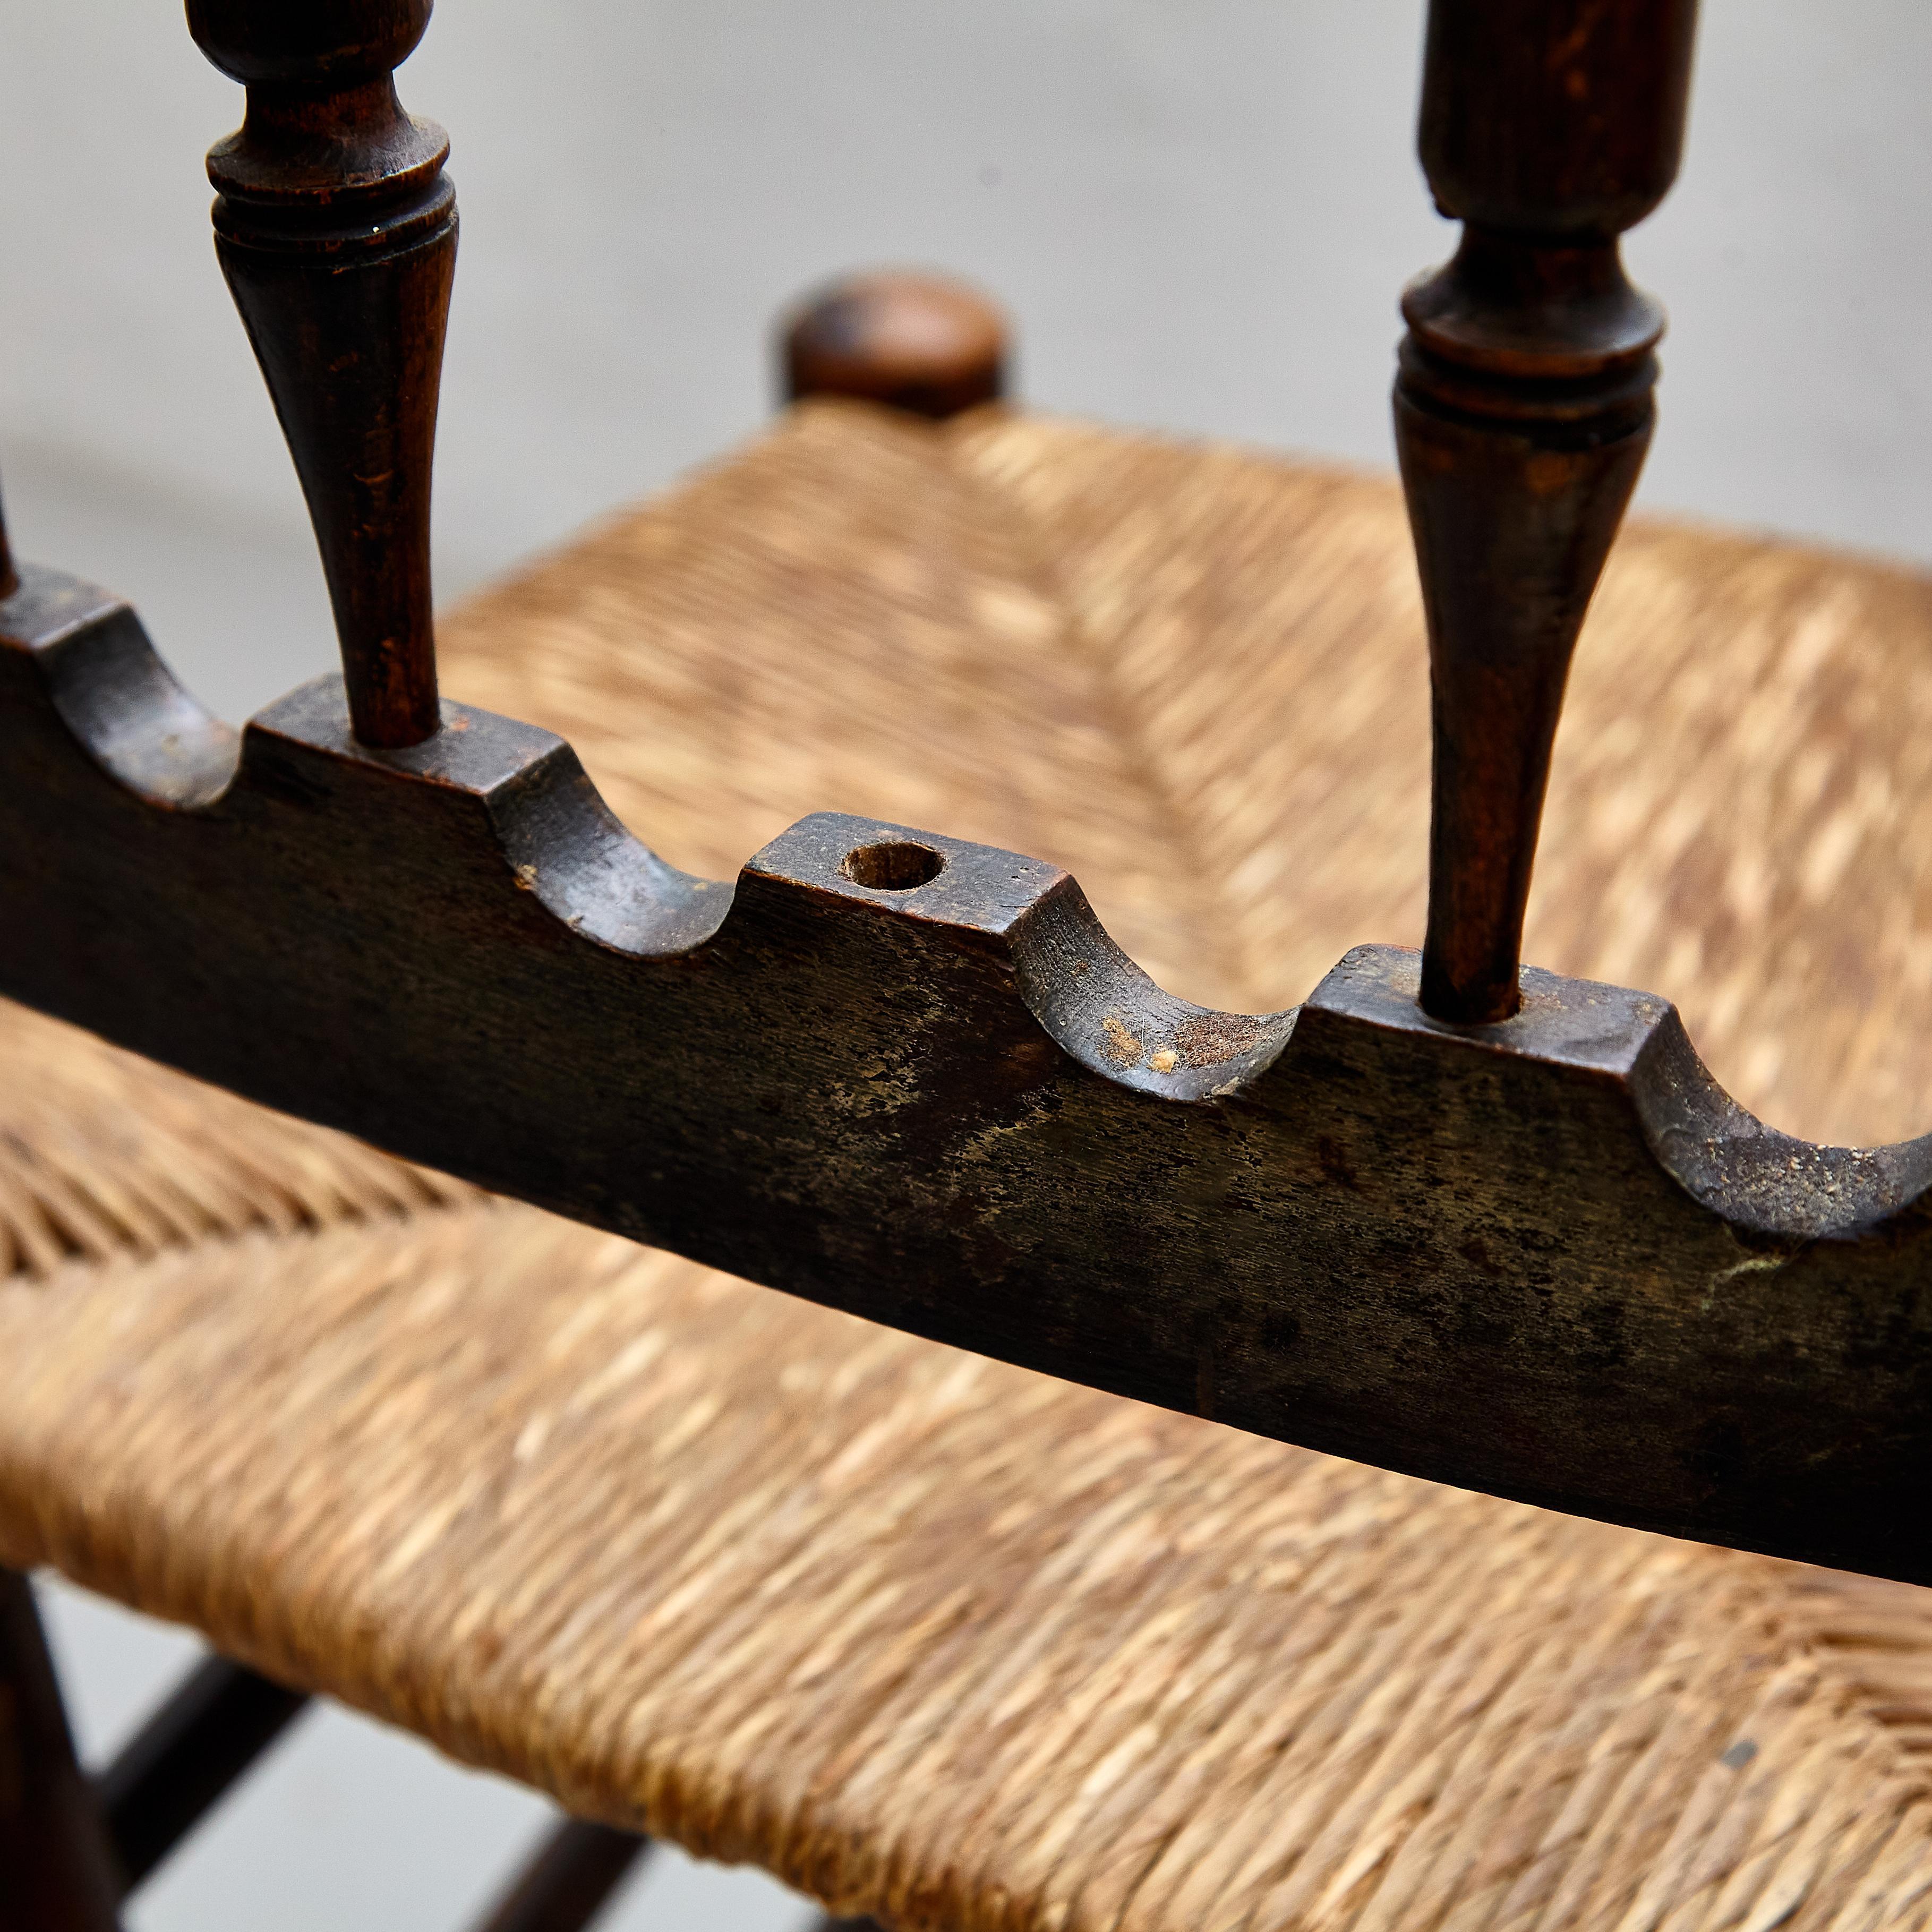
{"x":1523,"y":412}
{"x":946,"y":1102}
{"x":336,"y":231}
{"x":932,"y":1637}
{"x":957,"y":1108}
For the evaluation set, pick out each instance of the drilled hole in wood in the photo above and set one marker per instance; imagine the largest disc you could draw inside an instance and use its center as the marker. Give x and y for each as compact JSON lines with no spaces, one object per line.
{"x":895,"y":867}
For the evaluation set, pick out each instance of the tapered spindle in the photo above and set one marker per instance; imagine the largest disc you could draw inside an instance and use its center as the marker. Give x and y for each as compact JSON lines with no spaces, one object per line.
{"x":336,"y":231}
{"x":1523,"y":409}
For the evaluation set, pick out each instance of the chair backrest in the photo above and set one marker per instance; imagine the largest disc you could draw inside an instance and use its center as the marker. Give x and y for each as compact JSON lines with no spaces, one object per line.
{"x":330,"y":915}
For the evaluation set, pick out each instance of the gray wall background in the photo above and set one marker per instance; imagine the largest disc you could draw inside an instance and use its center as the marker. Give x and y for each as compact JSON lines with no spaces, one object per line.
{"x":1199,"y":212}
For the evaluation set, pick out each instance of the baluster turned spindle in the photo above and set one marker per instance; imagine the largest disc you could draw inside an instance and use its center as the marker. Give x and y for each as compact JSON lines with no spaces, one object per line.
{"x":337,"y":234}
{"x":1523,"y":409}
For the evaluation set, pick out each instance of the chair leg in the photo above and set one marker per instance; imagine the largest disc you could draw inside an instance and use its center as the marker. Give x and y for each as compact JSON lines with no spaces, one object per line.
{"x":185,"y":1759}
{"x":56,"y":1871}
{"x":564,"y":1885}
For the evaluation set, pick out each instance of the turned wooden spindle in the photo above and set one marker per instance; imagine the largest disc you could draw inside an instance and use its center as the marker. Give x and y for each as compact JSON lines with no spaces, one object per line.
{"x":1523,"y":408}
{"x":336,"y":231}
{"x":922,"y":344}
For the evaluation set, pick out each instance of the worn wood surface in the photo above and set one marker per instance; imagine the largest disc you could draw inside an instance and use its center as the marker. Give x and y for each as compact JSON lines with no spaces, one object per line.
{"x":1545,"y":1259}
{"x":1523,"y":411}
{"x":1542,"y":1256}
{"x":336,"y":231}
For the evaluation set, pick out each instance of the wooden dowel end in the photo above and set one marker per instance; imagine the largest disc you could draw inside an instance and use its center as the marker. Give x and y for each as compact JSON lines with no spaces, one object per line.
{"x":923,"y":343}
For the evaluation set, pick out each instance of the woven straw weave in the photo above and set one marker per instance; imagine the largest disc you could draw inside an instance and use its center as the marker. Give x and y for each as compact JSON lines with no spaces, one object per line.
{"x":930,"y":1636}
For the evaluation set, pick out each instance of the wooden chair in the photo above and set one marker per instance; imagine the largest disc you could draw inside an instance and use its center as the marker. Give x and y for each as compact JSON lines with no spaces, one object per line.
{"x":933,"y":1636}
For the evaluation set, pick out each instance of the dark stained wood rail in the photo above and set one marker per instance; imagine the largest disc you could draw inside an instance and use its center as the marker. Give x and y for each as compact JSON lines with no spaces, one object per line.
{"x":1523,"y":412}
{"x":1547,"y":1258}
{"x":1541,"y":1255}
{"x":336,"y":231}
{"x":1452,"y":1215}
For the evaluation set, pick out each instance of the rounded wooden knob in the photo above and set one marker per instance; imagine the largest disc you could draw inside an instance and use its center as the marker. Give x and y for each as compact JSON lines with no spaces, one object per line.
{"x":918,"y":343}
{"x":318,"y":43}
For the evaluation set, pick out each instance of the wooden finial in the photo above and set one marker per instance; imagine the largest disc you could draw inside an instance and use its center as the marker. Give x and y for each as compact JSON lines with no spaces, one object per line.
{"x":922,"y":343}
{"x":336,"y":231}
{"x":1523,"y":410}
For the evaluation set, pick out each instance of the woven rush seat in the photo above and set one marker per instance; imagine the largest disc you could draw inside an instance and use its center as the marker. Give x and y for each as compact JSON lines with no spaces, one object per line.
{"x":927,"y":1636}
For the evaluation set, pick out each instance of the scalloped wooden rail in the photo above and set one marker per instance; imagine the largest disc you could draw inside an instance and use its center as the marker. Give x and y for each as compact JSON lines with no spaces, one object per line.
{"x":1457,"y":1217}
{"x":1536,"y":1252}
{"x":1546,"y":1258}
